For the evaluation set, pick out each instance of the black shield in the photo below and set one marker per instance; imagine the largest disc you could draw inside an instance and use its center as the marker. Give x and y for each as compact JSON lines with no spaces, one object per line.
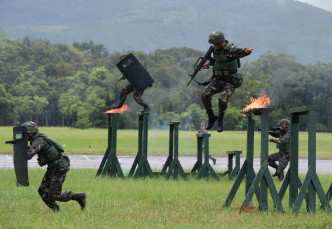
{"x":135,"y":73}
{"x":21,"y":155}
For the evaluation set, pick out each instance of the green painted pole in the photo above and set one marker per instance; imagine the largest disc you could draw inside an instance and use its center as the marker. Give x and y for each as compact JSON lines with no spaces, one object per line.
{"x":294,"y":159}
{"x":250,"y":153}
{"x":263,"y":201}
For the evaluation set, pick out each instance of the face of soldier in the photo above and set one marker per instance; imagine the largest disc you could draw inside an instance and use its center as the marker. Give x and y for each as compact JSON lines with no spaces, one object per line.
{"x":216,"y":46}
{"x":283,"y":128}
{"x":203,"y":127}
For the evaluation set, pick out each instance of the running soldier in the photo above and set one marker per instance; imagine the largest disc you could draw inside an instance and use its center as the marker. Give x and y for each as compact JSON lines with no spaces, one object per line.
{"x":50,"y":153}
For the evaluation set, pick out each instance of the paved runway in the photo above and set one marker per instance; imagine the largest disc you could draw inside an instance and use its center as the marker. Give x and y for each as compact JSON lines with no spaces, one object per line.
{"x":156,"y":162}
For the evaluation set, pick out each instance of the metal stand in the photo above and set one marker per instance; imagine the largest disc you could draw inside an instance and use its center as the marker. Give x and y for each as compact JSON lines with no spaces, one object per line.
{"x":247,"y":169}
{"x":311,"y":183}
{"x":199,"y":162}
{"x":110,"y":164}
{"x":263,"y":176}
{"x":173,"y":164}
{"x":206,"y":169}
{"x":329,"y":193}
{"x":141,"y":159}
{"x":233,"y":172}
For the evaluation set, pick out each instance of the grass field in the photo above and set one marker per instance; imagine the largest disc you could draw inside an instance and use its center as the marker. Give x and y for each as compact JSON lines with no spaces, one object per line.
{"x":145,"y":203}
{"x":77,"y":141}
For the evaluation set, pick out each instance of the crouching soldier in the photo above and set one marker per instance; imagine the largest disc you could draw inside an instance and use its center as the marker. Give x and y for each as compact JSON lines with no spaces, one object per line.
{"x":50,"y":153}
{"x":283,"y":144}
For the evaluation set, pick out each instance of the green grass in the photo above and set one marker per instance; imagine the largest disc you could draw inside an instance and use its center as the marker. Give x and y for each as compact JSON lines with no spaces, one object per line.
{"x":77,"y":141}
{"x":145,"y":203}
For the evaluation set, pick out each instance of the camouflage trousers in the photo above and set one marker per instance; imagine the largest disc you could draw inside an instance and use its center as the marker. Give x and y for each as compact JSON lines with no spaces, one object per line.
{"x":50,"y":188}
{"x":225,"y":87}
{"x":137,"y":95}
{"x":282,"y":158}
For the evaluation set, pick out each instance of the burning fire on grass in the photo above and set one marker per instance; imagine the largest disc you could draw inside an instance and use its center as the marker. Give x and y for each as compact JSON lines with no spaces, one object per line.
{"x":118,"y":110}
{"x":261,"y":102}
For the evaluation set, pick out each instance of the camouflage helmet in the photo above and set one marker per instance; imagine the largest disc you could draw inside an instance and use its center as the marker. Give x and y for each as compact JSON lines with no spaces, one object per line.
{"x":202,"y":124}
{"x":284,"y":123}
{"x":216,"y":37}
{"x":31,"y":126}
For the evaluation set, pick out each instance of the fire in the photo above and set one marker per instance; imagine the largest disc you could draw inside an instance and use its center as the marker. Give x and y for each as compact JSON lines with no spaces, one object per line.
{"x":261,"y":102}
{"x":119,"y":110}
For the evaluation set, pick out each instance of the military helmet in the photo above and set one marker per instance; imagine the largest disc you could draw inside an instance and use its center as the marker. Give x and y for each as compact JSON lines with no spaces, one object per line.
{"x":31,"y":126}
{"x":216,"y":37}
{"x":284,"y":123}
{"x":202,"y":124}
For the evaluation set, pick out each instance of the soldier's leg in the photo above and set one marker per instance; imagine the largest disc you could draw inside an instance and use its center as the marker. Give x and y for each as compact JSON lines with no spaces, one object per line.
{"x":138,"y":98}
{"x":225,"y":95}
{"x":283,"y":162}
{"x":211,"y":89}
{"x":44,"y":189}
{"x":272,"y":162}
{"x":125,"y":91}
{"x":58,"y":178}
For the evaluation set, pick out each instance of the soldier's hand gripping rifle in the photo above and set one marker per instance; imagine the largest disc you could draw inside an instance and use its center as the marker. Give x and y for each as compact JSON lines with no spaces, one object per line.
{"x":200,"y":62}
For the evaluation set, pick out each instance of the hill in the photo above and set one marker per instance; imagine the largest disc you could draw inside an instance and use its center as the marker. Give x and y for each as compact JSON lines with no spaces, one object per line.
{"x":285,"y":26}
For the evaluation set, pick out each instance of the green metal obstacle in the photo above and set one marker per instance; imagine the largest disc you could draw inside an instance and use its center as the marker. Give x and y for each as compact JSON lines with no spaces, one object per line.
{"x":141,"y":159}
{"x":329,"y":193}
{"x":230,"y":171}
{"x":172,"y":163}
{"x":247,"y":169}
{"x":311,"y":184}
{"x":110,"y":165}
{"x":206,"y":169}
{"x":263,"y":176}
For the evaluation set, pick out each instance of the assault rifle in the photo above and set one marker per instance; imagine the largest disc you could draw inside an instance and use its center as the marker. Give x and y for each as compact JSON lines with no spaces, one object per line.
{"x":200,"y":62}
{"x":272,"y":128}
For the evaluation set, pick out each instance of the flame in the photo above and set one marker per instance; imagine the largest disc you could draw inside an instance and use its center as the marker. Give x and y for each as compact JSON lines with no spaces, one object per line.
{"x":119,"y":110}
{"x":261,"y":102}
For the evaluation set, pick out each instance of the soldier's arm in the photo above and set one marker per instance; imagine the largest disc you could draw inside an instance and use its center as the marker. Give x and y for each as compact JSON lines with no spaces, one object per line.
{"x":274,"y":140}
{"x":284,"y":139}
{"x":35,"y":147}
{"x":235,"y":52}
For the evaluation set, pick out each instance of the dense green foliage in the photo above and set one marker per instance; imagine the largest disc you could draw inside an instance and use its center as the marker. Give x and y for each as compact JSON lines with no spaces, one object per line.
{"x":61,"y":85}
{"x":146,"y":203}
{"x":287,"y":26}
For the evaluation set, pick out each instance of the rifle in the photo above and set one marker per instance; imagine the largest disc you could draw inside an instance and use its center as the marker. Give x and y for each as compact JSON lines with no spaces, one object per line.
{"x":272,"y":128}
{"x":201,"y":60}
{"x":10,"y":142}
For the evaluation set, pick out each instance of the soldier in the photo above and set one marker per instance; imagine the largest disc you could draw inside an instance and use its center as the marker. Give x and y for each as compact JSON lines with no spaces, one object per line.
{"x":127,"y":90}
{"x":225,"y":78}
{"x":202,"y":130}
{"x":283,"y":145}
{"x":50,"y":153}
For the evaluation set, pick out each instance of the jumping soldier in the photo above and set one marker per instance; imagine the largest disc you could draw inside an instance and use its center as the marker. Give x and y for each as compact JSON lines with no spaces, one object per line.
{"x":202,"y":130}
{"x":127,"y":90}
{"x":283,"y":145}
{"x":50,"y":153}
{"x":225,"y":78}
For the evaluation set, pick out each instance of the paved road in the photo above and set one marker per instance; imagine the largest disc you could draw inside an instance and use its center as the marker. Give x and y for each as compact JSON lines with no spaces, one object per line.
{"x":157,"y":162}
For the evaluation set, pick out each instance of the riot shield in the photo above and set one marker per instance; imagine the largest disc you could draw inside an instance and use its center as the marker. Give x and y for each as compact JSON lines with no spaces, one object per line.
{"x":135,"y":73}
{"x":20,"y":143}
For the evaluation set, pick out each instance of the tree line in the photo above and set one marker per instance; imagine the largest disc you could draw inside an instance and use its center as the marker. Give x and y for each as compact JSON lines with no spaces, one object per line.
{"x":63,"y":85}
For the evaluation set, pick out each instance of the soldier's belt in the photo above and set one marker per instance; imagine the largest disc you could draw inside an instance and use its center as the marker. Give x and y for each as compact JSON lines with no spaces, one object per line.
{"x":223,"y":73}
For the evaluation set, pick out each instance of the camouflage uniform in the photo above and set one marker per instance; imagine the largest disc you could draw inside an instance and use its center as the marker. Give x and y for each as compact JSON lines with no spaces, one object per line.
{"x":129,"y":89}
{"x":225,"y":78}
{"x":50,"y":153}
{"x":204,"y":131}
{"x":137,"y":96}
{"x":283,"y":144}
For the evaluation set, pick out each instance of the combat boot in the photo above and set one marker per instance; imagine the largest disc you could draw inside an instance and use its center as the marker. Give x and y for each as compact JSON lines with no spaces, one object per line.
{"x":220,"y":126}
{"x":275,"y":174}
{"x":212,"y":119}
{"x":146,"y":108}
{"x":80,"y":198}
{"x":55,"y":208}
{"x":281,"y":176}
